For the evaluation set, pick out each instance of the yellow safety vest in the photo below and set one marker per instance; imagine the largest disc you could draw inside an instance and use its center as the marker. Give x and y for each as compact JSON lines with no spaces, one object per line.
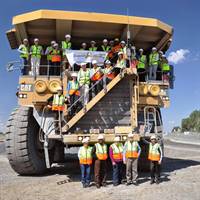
{"x":36,"y":51}
{"x":132,"y":149}
{"x":74,"y":88}
{"x":154,"y":154}
{"x":50,"y":48}
{"x":101,"y":151}
{"x":84,"y":77}
{"x":58,"y":102}
{"x":92,"y":48}
{"x":165,"y":67}
{"x":153,"y":59}
{"x":85,"y":155}
{"x":105,"y":48}
{"x":66,"y":45}
{"x":25,"y":50}
{"x":121,"y":63}
{"x":141,"y":62}
{"x":117,"y":151}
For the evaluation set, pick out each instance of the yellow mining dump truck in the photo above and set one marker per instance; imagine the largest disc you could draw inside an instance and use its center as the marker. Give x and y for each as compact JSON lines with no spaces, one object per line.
{"x":123,"y":105}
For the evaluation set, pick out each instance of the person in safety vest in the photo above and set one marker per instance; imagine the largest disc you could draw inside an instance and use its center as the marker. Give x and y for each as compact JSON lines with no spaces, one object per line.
{"x":24,"y":55}
{"x":105,"y":47}
{"x":66,"y":44}
{"x":100,"y":152}
{"x":165,"y":69}
{"x":55,"y":60}
{"x":47,"y":52}
{"x":141,"y":65}
{"x":36,"y":52}
{"x":96,"y":76}
{"x":116,"y":156}
{"x":131,"y":154}
{"x":85,"y":160}
{"x":108,"y":72}
{"x":83,"y":46}
{"x":153,"y":64}
{"x":123,"y":49}
{"x":155,"y":157}
{"x":84,"y":83}
{"x":73,"y":92}
{"x":121,"y":63}
{"x":93,"y":46}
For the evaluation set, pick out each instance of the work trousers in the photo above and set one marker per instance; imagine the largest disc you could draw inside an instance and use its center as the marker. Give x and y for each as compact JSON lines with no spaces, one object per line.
{"x":152,"y":72}
{"x":142,"y":74}
{"x":131,"y":169}
{"x":155,"y":170}
{"x":74,"y":98}
{"x":84,"y":90}
{"x":55,"y":69}
{"x":35,"y":66}
{"x":97,"y":88}
{"x":24,"y":69}
{"x":85,"y":174}
{"x":117,"y":173}
{"x":100,"y":172}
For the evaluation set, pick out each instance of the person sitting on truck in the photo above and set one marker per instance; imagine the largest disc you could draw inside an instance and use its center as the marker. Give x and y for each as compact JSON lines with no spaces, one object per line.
{"x":84,"y":83}
{"x":141,"y":65}
{"x":131,"y":154}
{"x":108,"y":72}
{"x":36,"y":52}
{"x":73,"y":93}
{"x":96,"y":76}
{"x":93,"y":46}
{"x":153,"y":64}
{"x":165,"y":69}
{"x":24,"y":55}
{"x":55,"y":60}
{"x":105,"y":47}
{"x":83,"y":46}
{"x":85,"y":160}
{"x":121,"y":63}
{"x":47,"y":52}
{"x":100,"y":153}
{"x":116,"y":156}
{"x":155,"y":157}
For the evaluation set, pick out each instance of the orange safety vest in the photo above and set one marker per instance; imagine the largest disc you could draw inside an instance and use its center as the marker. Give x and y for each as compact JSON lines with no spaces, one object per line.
{"x":117,"y":151}
{"x":85,"y":155}
{"x":97,"y":74}
{"x":55,"y":56}
{"x":74,"y":88}
{"x":58,"y":103}
{"x":108,"y":73}
{"x":101,"y":151}
{"x":132,"y":149}
{"x":154,"y":154}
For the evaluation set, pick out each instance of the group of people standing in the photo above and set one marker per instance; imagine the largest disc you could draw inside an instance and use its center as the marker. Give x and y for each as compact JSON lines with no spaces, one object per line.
{"x":119,"y":154}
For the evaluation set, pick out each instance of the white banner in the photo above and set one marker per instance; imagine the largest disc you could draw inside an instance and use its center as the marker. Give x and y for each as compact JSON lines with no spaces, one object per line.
{"x":78,"y":56}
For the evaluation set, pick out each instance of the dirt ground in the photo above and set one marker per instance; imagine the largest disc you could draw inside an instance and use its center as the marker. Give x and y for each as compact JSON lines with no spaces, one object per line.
{"x":180,"y":181}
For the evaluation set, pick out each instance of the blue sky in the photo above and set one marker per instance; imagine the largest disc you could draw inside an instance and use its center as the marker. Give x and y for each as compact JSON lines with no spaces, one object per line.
{"x":183,"y":15}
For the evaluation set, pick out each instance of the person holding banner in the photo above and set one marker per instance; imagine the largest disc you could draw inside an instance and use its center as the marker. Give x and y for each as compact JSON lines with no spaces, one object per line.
{"x":93,"y":46}
{"x":96,"y":75}
{"x":84,"y":83}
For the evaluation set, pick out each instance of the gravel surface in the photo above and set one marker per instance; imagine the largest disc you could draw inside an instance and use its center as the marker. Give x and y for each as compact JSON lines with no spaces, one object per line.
{"x":180,"y":181}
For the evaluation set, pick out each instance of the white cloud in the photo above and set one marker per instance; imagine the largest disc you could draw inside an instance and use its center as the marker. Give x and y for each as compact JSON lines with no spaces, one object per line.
{"x":178,"y":56}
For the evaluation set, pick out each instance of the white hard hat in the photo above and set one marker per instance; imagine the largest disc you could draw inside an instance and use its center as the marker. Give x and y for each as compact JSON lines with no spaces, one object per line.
{"x":83,"y":43}
{"x":74,"y":74}
{"x":107,"y":62}
{"x":141,"y":50}
{"x":83,"y":64}
{"x":36,"y":40}
{"x":67,"y":36}
{"x":55,"y":45}
{"x":53,"y":42}
{"x":123,"y":42}
{"x":153,"y":137}
{"x":117,"y":139}
{"x":25,"y":40}
{"x":163,"y":56}
{"x":93,"y":42}
{"x":120,"y":53}
{"x":100,"y":137}
{"x":105,"y":40}
{"x":154,"y":49}
{"x":130,"y":135}
{"x":161,"y":52}
{"x":85,"y":140}
{"x":59,"y":88}
{"x":94,"y":62}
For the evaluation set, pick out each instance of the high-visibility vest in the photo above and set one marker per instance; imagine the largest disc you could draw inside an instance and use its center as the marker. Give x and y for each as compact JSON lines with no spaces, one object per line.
{"x":108,"y":72}
{"x":49,"y":49}
{"x":56,"y":57}
{"x":85,"y":155}
{"x":92,"y":48}
{"x":101,"y":151}
{"x":124,"y":50}
{"x":132,"y":149}
{"x":84,"y":77}
{"x":121,"y":63}
{"x":81,"y":49}
{"x":58,"y":102}
{"x":105,"y":48}
{"x":36,"y":51}
{"x":97,"y":74}
{"x":66,"y":45}
{"x":165,"y":67}
{"x":153,"y":58}
{"x":154,"y":154}
{"x":74,"y":88}
{"x":117,"y":151}
{"x":25,"y":51}
{"x":142,"y":62}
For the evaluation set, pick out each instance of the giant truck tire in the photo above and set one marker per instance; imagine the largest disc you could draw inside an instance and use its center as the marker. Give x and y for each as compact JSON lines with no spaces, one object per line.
{"x":24,"y":151}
